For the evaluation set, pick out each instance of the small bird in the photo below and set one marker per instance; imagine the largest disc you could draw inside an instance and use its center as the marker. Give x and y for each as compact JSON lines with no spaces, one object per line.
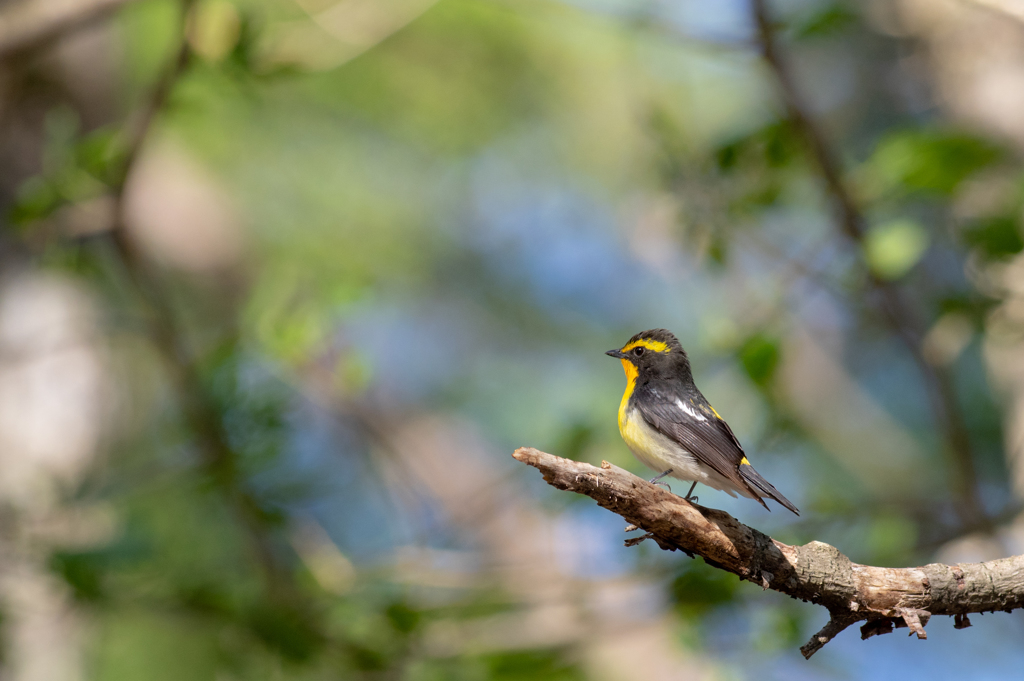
{"x":671,"y":428}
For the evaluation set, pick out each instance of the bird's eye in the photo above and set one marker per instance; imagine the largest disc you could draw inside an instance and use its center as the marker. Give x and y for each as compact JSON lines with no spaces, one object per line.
{"x":638,"y":351}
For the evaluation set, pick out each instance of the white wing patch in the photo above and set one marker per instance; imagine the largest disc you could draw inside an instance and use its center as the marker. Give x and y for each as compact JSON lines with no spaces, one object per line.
{"x":690,"y":410}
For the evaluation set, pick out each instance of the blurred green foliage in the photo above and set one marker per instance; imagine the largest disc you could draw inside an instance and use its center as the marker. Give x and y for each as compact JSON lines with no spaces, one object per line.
{"x":825,"y":22}
{"x":760,"y":357}
{"x":427,"y":232}
{"x":927,"y":161}
{"x":997,"y":237}
{"x":892,"y":248}
{"x":698,"y":588}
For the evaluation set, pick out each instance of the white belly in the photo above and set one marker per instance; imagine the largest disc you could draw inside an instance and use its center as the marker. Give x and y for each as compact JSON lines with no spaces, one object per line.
{"x":659,"y":453}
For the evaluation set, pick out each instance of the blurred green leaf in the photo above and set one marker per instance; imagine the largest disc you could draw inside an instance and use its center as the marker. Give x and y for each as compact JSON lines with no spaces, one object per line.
{"x":772,"y":146}
{"x":83,"y":572}
{"x":699,"y":587}
{"x":971,"y":305}
{"x":99,"y":153}
{"x":216,"y":29}
{"x":480,"y":605}
{"x":157,"y":647}
{"x":291,"y":632}
{"x":207,"y":598}
{"x":826,"y":22}
{"x":930,"y":161}
{"x":718,"y":249}
{"x":783,"y":628}
{"x":367,"y":659}
{"x":574,"y":441}
{"x":243,"y":56}
{"x":892,"y":248}
{"x":671,"y":145}
{"x":997,"y":237}
{"x":891,"y":538}
{"x":727,"y":156}
{"x":36,"y":199}
{"x":759,"y":356}
{"x":461,"y":74}
{"x":403,"y":617}
{"x":538,"y":665}
{"x":149,"y":30}
{"x":74,"y":171}
{"x":781,"y":144}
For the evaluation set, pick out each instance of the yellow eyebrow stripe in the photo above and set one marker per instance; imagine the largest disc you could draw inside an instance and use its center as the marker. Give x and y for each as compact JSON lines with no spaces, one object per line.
{"x":656,"y":346}
{"x":744,"y":462}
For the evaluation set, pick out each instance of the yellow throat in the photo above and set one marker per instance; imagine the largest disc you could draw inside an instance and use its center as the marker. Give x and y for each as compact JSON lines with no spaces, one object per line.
{"x":631,"y":374}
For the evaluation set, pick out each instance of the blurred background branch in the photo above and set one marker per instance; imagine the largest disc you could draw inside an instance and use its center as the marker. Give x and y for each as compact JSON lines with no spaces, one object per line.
{"x":198,"y":408}
{"x":904,"y":321}
{"x":27,"y":24}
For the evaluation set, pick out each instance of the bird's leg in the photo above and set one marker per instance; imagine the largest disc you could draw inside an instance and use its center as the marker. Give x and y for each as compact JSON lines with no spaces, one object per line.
{"x":659,"y":476}
{"x":688,"y":497}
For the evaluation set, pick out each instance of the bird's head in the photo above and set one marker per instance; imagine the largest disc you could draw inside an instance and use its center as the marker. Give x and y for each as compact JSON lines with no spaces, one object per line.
{"x":652,"y":353}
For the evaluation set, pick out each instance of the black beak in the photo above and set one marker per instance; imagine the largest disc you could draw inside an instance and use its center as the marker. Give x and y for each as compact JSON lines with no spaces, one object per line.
{"x":618,"y":354}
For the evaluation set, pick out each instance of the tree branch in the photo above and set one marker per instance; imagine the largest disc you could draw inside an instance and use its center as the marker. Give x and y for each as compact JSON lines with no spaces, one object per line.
{"x":884,"y":598}
{"x":201,"y":415}
{"x":828,"y":632}
{"x":887,"y":297}
{"x":30,"y":23}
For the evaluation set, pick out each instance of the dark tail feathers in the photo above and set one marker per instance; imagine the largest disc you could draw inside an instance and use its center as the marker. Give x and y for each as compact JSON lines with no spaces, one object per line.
{"x":763,"y":487}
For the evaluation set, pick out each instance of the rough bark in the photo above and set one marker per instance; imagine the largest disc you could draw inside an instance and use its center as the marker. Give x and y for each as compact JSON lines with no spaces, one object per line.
{"x":883,"y":598}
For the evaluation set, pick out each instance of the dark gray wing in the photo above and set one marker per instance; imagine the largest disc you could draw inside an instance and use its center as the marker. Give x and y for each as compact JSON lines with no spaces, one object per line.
{"x":690,"y":421}
{"x":711,"y":441}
